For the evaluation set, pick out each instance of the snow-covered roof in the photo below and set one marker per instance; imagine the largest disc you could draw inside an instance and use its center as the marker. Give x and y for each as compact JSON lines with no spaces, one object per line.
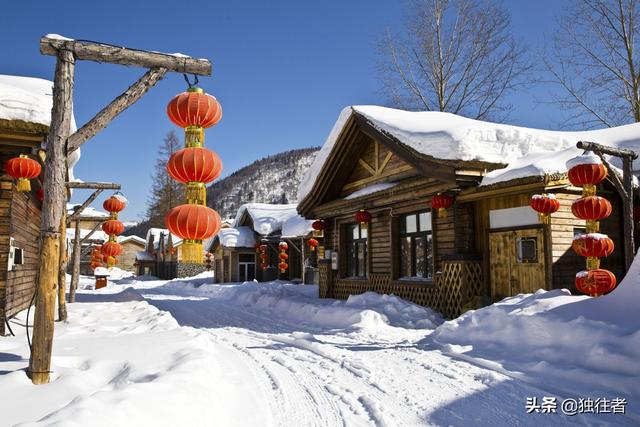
{"x":266,"y":218}
{"x":144,"y":256}
{"x":29,"y":99}
{"x":157,"y":232}
{"x":297,"y":226}
{"x":89,"y":211}
{"x":237,"y":237}
{"x":370,"y":189}
{"x":447,"y":136}
{"x":125,"y":239}
{"x":97,"y":235}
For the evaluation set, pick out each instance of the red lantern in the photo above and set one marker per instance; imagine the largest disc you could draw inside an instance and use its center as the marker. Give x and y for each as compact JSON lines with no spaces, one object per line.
{"x":111,"y":249}
{"x":113,"y":227}
{"x":194,"y":108}
{"x":283,"y":246}
{"x":283,"y":267}
{"x":591,"y":208}
{"x":114,"y":204}
{"x":593,"y":245}
{"x":545,"y":205}
{"x":319,"y":225}
{"x":313,"y":244}
{"x":595,"y":282}
{"x":193,"y":223}
{"x":264,"y":265}
{"x":283,"y":255}
{"x":194,"y":164}
{"x":23,"y":169}
{"x":263,"y":247}
{"x":441,"y":202}
{"x":587,"y":175}
{"x":363,"y":217}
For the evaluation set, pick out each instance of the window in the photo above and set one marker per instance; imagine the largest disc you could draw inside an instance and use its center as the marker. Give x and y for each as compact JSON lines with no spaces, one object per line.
{"x":416,"y":246}
{"x":526,"y":249}
{"x":356,"y":251}
{"x":578,"y":231}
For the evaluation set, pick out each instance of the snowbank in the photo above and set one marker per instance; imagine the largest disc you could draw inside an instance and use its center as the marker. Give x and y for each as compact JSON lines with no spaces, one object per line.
{"x":300,"y":304}
{"x":580,"y":345}
{"x":116,"y":364}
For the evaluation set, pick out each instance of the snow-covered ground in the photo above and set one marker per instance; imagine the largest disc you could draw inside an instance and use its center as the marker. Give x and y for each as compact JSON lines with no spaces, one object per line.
{"x":186,"y":352}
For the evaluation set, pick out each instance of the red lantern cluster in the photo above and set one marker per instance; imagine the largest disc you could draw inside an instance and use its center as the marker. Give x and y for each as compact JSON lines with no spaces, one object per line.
{"x":96,"y":258}
{"x":23,"y":169}
{"x":195,"y":166}
{"x":283,"y":265}
{"x":441,"y":202}
{"x":113,"y":227}
{"x":545,"y":205}
{"x":363,"y":217}
{"x":588,"y":171}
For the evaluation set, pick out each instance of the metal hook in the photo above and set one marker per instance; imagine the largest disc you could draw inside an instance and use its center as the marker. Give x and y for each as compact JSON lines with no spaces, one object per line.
{"x":195,"y":81}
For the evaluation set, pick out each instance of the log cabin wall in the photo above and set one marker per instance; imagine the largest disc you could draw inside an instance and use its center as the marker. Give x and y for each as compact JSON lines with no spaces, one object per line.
{"x":20,"y":220}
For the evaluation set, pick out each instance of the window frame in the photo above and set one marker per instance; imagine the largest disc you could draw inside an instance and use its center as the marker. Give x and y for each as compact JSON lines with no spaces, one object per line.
{"x":351,"y":258}
{"x":428,"y":235}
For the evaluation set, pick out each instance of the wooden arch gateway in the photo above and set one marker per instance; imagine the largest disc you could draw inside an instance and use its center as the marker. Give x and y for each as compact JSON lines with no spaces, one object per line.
{"x":61,"y":143}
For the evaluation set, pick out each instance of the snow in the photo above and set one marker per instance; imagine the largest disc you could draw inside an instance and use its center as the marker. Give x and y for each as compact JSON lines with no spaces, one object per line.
{"x":89,"y":211}
{"x":125,"y":239}
{"x":58,"y":37}
{"x":370,"y":189}
{"x":151,"y":352}
{"x":144,"y":256}
{"x":97,"y":235}
{"x":266,"y":218}
{"x":101,"y":271}
{"x":297,"y":226}
{"x":526,"y":151}
{"x":589,"y":158}
{"x":240,"y":237}
{"x":595,"y":236}
{"x":575,"y":344}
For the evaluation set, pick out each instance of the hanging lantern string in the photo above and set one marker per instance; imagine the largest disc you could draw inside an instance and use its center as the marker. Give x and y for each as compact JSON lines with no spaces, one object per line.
{"x":195,"y":81}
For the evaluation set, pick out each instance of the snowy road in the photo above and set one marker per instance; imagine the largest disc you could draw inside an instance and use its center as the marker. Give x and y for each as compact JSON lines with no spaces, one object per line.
{"x":316,"y":376}
{"x":261,"y":355}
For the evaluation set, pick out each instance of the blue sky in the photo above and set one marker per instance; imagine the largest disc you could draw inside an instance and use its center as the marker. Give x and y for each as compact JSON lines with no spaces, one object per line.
{"x":282,"y":71}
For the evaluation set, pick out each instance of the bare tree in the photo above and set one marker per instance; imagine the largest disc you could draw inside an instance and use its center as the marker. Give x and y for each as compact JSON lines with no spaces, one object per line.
{"x":594,"y":60}
{"x":457,"y":56}
{"x":166,"y":193}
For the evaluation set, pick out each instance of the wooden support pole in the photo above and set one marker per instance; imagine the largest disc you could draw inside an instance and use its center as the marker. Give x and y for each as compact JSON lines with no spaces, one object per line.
{"x":52,"y":212}
{"x":94,"y":185}
{"x":100,"y":219}
{"x":99,"y":52}
{"x":75,"y":272}
{"x":117,"y":106}
{"x":93,"y":230}
{"x":80,"y":208}
{"x":62,"y":272}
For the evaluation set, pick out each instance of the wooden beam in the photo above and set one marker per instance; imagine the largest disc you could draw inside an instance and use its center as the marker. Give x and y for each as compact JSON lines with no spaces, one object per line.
{"x":53,"y":209}
{"x":618,"y":152}
{"x":93,"y":218}
{"x":93,"y":230}
{"x":115,"y":107}
{"x":78,"y":210}
{"x":94,"y":185}
{"x":100,"y":52}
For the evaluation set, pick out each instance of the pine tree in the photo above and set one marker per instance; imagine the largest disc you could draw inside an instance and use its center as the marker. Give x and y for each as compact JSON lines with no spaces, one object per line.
{"x":165,"y":193}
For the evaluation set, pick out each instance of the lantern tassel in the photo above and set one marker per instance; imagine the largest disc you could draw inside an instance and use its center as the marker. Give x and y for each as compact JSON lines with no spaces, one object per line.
{"x":196,"y":193}
{"x":442,"y":213}
{"x":23,"y":184}
{"x":593,"y":263}
{"x":192,"y":252}
{"x":193,"y":136}
{"x":111,"y":261}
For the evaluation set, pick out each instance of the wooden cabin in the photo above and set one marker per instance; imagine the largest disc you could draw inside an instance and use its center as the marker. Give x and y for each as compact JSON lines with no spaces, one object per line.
{"x":89,"y":219}
{"x":25,"y":111}
{"x":236,"y":258}
{"x":490,"y":244}
{"x":131,"y":245}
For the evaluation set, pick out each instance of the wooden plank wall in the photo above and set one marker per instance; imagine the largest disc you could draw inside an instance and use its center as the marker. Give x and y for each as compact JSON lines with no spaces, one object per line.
{"x":24,"y":227}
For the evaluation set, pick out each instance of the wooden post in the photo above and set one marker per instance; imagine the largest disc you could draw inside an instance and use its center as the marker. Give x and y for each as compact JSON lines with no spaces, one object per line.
{"x":62,"y":272}
{"x":75,"y":272}
{"x":52,"y":211}
{"x":627,"y":213}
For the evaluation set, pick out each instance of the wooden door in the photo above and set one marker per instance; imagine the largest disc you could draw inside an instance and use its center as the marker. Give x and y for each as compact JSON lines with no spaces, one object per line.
{"x":516,"y":262}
